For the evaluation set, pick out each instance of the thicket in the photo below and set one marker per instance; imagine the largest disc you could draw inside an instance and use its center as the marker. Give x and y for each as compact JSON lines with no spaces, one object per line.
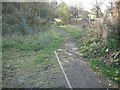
{"x":26,"y":18}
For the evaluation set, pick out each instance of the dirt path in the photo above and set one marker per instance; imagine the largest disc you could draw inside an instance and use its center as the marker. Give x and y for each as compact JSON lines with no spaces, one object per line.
{"x":31,"y":75}
{"x":23,"y":72}
{"x":77,"y":69}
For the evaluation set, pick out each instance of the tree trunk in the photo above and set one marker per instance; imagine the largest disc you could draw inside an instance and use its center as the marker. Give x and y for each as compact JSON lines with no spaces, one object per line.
{"x":119,"y":20}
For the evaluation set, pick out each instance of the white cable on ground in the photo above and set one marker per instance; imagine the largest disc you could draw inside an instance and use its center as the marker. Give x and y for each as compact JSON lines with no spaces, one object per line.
{"x":63,"y":70}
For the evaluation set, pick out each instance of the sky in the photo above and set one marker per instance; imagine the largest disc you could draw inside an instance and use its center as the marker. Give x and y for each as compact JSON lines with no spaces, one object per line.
{"x":87,"y":4}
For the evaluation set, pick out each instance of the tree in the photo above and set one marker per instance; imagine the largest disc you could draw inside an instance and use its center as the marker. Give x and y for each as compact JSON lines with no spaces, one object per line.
{"x":63,"y":12}
{"x":96,"y":10}
{"x":84,"y":14}
{"x":114,"y":13}
{"x":27,"y":17}
{"x":118,"y":11}
{"x":74,"y":12}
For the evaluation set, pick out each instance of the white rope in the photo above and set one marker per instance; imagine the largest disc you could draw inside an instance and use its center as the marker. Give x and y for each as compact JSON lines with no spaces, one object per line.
{"x":63,"y":70}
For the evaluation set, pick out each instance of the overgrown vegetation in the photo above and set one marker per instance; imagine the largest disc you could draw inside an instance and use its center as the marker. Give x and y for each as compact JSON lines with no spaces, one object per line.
{"x":44,"y":42}
{"x":25,"y":56}
{"x":103,"y":58}
{"x":109,"y":71}
{"x":28,"y":30}
{"x":26,"y":18}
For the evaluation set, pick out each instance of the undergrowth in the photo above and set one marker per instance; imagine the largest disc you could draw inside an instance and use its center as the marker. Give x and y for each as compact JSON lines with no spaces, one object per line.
{"x":40,"y":45}
{"x":103,"y":58}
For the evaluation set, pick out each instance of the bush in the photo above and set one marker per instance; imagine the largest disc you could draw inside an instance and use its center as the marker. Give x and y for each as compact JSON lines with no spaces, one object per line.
{"x":42,"y":40}
{"x":105,"y":70}
{"x":113,"y":42}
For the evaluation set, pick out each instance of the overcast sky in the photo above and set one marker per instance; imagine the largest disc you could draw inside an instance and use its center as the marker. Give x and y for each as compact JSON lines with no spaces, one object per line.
{"x":87,"y":4}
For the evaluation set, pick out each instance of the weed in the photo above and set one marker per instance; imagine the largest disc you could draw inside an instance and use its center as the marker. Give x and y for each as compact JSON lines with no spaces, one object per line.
{"x":113,"y":42}
{"x":40,"y":45}
{"x":105,"y":70}
{"x":92,"y":47}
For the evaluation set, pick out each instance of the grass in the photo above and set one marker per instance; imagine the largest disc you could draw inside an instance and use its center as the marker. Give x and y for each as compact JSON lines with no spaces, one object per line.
{"x":40,"y":46}
{"x":31,"y":42}
{"x":31,"y":55}
{"x":36,"y":50}
{"x":94,"y":50}
{"x":113,"y":41}
{"x":106,"y":70}
{"x":76,"y":34}
{"x":24,"y":56}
